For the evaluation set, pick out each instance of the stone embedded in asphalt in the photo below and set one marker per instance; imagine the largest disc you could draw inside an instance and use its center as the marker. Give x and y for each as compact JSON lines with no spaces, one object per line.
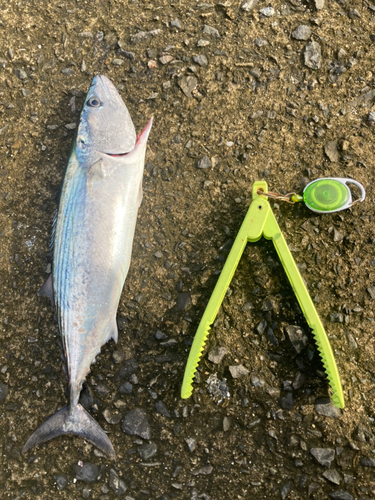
{"x":340,"y":495}
{"x":204,"y":162}
{"x":61,"y":480}
{"x":337,"y":236}
{"x":191,"y":443}
{"x":20,"y":73}
{"x":3,"y":391}
{"x":126,"y":388}
{"x":287,"y":402}
{"x":175,"y":24}
{"x":256,"y":381}
{"x":368,"y":462}
{"x":183,"y":300}
{"x":318,"y":4}
{"x":313,"y":55}
{"x":162,"y":409}
{"x":130,"y":366}
{"x":324,"y":456}
{"x":116,"y":484}
{"x":267,"y":11}
{"x":204,"y":470}
{"x":216,"y":354}
{"x":111,"y":416}
{"x":201,"y":60}
{"x":333,"y":476}
{"x":331,"y":150}
{"x":324,"y":406}
{"x":302,"y":32}
{"x":88,"y":473}
{"x":187,"y":84}
{"x":209,"y":30}
{"x":238,"y":371}
{"x":248,"y":5}
{"x":136,"y":423}
{"x":147,"y":451}
{"x":297,"y":338}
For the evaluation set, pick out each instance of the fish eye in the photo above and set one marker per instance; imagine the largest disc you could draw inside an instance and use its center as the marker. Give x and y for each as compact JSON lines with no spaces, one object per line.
{"x":94,"y":102}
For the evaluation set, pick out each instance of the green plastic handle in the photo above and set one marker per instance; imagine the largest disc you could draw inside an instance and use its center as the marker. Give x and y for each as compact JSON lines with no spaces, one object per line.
{"x":260,"y":221}
{"x":254,"y":220}
{"x":272,"y":231}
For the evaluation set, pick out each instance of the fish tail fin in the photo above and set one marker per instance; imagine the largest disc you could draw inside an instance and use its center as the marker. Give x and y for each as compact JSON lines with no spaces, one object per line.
{"x":78,"y":422}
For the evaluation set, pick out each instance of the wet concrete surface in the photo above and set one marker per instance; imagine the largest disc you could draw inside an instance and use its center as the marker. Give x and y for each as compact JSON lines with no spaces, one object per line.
{"x":238,"y":94}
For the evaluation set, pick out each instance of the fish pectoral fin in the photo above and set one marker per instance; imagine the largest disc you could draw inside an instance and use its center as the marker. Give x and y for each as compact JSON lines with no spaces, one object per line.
{"x":97,"y":170}
{"x":47,"y":289}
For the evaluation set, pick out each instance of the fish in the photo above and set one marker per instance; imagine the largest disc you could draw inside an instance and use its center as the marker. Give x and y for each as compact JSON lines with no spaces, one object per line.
{"x":92,"y":242}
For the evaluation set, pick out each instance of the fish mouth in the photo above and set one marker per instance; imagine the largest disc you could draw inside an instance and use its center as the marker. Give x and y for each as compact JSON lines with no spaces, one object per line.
{"x":115,"y":155}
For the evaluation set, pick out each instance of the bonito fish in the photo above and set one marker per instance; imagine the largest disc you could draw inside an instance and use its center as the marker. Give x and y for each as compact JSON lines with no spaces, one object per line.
{"x":92,"y":243}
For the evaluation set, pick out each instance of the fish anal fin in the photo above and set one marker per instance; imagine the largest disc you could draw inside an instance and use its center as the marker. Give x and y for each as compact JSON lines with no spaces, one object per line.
{"x":47,"y":289}
{"x":113,"y":334}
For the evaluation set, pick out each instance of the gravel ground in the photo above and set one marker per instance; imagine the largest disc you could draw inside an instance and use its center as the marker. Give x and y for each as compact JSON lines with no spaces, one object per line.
{"x":282,"y":92}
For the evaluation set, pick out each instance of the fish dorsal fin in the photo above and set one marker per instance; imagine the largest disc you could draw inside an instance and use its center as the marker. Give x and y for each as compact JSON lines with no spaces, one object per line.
{"x":47,"y":289}
{"x":53,"y":233}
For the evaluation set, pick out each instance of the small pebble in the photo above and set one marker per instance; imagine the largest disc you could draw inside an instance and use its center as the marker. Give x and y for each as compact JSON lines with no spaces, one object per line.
{"x":136,"y":423}
{"x":209,"y":30}
{"x":226,"y":424}
{"x":61,"y":480}
{"x":267,"y":11}
{"x":20,"y":73}
{"x":260,"y":42}
{"x":318,"y":4}
{"x":147,"y":451}
{"x":297,"y":337}
{"x":187,"y":84}
{"x":67,"y":71}
{"x":324,"y":456}
{"x":191,"y":443}
{"x":204,"y":162}
{"x":204,"y":470}
{"x":257,"y":381}
{"x":162,"y":409}
{"x":183,"y":300}
{"x":302,"y":32}
{"x":116,"y":484}
{"x":313,"y":55}
{"x":248,"y":5}
{"x":330,"y":149}
{"x":333,"y":476}
{"x":3,"y":391}
{"x":201,"y":60}
{"x":340,"y":495}
{"x":337,"y":236}
{"x":111,"y":416}
{"x":216,"y":354}
{"x":175,"y":24}
{"x":238,"y":371}
{"x":88,"y":473}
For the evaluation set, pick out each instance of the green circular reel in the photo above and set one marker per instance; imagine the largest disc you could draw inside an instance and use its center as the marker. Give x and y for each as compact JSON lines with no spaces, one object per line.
{"x":330,"y":194}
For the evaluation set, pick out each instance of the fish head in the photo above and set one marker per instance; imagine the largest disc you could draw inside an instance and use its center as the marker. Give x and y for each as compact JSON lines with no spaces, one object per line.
{"x":105,"y":123}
